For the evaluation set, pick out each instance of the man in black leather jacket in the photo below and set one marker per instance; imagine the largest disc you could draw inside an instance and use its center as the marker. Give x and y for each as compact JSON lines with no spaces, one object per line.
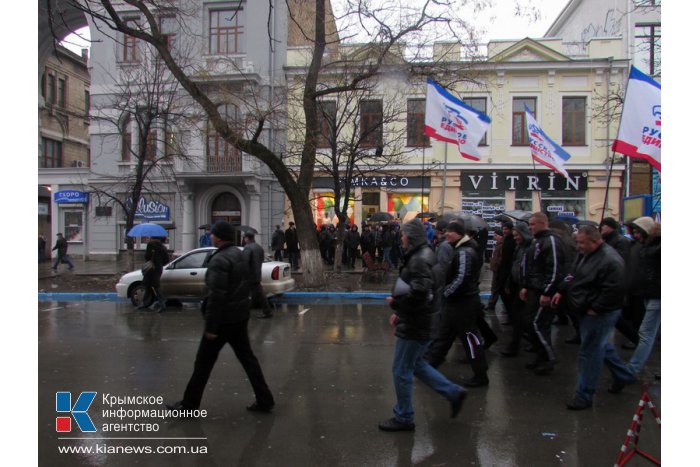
{"x":226,"y":314}
{"x":461,"y":305}
{"x":412,"y":302}
{"x":595,"y":290}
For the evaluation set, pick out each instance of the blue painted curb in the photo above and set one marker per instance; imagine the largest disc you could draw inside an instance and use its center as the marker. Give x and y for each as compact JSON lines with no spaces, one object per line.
{"x":112,"y":297}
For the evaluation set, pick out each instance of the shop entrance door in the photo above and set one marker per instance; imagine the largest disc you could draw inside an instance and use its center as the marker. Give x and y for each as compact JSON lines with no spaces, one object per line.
{"x":226,"y":207}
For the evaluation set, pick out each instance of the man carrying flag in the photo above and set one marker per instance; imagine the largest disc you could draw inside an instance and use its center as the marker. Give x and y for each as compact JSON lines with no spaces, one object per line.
{"x":544,"y":150}
{"x":449,"y":119}
{"x":640,"y":127}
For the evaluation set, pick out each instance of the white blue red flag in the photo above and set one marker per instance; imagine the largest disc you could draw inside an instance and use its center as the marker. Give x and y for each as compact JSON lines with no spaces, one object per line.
{"x":640,"y":127}
{"x":544,"y":150}
{"x":449,"y":119}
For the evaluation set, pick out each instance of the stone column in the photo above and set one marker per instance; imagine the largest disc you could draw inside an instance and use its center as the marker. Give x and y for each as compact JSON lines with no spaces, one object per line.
{"x":189,"y":238}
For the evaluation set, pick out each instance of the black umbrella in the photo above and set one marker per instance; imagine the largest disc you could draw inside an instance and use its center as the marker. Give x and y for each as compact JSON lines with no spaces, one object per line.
{"x":517,"y":214}
{"x":205,"y":226}
{"x":246,"y":228}
{"x":381,"y":217}
{"x":431,"y":216}
{"x":471,"y":221}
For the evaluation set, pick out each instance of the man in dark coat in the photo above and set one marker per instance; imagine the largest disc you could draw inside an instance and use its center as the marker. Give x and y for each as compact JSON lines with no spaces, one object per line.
{"x":461,"y":305}
{"x":595,"y":290}
{"x":412,"y":302}
{"x":157,"y":254}
{"x":350,"y":244}
{"x":254,"y":256}
{"x":544,"y":263}
{"x":515,"y":282}
{"x":292,"y":241}
{"x":226,"y":315}
{"x":277,"y":243}
{"x":61,"y":248}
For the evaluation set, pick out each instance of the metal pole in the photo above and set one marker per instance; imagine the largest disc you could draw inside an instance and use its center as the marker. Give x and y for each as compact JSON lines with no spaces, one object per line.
{"x":607,"y":189}
{"x":444,"y":183}
{"x":422,"y":181}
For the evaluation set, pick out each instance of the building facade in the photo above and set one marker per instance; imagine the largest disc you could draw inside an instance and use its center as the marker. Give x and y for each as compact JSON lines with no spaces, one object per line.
{"x":638,"y":24}
{"x":235,"y":51}
{"x":563,"y":92}
{"x":64,"y":149}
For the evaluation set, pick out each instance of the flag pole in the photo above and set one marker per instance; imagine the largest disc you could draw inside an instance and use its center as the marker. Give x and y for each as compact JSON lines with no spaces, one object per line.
{"x":607,"y":189}
{"x":534,"y":172}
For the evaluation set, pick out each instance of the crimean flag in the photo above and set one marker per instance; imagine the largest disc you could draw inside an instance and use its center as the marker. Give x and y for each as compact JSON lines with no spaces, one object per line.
{"x":640,"y":127}
{"x":449,"y":119}
{"x":544,"y":149}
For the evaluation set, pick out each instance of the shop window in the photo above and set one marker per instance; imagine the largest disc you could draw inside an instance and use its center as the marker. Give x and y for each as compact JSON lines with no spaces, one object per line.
{"x":488,"y":208}
{"x":478,"y":103}
{"x":564,"y":203}
{"x":520,"y":134}
{"x":226,"y":31}
{"x":401,"y":204}
{"x":324,"y":209}
{"x":371,"y":126}
{"x":415,"y":124}
{"x":327,"y":111}
{"x":52,"y":154}
{"x":573,"y":121}
{"x":523,"y":200}
{"x":73,"y":226}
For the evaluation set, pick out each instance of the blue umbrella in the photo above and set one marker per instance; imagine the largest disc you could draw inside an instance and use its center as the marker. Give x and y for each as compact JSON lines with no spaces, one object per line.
{"x":147,"y":230}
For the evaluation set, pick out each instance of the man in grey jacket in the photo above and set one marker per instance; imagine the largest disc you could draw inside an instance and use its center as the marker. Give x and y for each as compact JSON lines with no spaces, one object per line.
{"x":226,"y":314}
{"x":254,"y":256}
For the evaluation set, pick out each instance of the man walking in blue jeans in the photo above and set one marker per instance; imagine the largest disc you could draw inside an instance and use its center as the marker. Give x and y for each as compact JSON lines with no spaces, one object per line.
{"x":646,"y":281}
{"x":595,"y":290}
{"x":412,"y":302}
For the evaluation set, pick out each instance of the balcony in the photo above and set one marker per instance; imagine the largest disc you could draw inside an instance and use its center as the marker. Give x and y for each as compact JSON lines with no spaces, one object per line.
{"x":224,"y":164}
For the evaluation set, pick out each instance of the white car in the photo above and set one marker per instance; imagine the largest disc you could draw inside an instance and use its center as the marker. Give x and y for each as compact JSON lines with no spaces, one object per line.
{"x":183,"y":278}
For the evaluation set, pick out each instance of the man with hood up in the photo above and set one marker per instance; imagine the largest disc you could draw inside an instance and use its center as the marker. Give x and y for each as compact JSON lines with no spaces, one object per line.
{"x":412,"y":302}
{"x":462,"y":306}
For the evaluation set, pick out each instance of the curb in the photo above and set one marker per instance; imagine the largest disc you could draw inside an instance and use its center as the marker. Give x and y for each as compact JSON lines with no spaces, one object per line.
{"x":292,"y":296}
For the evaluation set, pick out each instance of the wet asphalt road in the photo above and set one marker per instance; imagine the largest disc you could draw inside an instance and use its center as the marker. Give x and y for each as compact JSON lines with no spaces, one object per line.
{"x":329,"y":367}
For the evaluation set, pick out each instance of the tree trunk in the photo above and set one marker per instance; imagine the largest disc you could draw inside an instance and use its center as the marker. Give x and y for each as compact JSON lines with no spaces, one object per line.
{"x":311,"y":263}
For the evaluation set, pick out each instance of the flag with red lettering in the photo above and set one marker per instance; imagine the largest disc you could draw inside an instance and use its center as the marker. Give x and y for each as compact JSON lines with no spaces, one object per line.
{"x":640,"y":127}
{"x":544,"y":149}
{"x":449,"y":119}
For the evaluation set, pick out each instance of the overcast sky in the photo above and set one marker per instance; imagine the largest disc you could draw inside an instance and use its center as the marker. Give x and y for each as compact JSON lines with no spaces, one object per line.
{"x":499,"y":22}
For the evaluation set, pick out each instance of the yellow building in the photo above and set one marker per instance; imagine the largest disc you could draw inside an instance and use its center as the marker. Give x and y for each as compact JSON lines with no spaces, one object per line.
{"x":566,"y":94}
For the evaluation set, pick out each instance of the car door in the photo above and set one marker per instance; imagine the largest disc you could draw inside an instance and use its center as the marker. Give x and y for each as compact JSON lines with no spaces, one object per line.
{"x":184,"y":277}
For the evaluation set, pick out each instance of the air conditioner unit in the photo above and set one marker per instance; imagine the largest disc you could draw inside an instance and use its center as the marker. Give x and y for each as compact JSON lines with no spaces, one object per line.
{"x":77,"y":164}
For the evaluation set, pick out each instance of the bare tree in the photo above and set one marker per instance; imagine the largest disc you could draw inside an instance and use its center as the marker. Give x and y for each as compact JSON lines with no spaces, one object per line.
{"x":150,"y":122}
{"x":385,"y":25}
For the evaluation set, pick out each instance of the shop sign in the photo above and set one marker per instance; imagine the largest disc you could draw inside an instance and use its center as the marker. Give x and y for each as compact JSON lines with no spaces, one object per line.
{"x":70,"y":197}
{"x":152,"y":211}
{"x":381,"y":181}
{"x":500,"y":181}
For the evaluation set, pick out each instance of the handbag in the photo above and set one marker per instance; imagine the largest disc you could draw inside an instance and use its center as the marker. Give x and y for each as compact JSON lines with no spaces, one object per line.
{"x":147,"y":267}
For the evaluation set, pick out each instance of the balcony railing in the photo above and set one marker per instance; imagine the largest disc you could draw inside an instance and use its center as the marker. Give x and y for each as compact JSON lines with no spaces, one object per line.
{"x":224,"y":164}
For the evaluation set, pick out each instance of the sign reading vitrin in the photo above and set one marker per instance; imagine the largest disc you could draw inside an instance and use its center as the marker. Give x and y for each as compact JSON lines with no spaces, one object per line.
{"x":545,"y":181}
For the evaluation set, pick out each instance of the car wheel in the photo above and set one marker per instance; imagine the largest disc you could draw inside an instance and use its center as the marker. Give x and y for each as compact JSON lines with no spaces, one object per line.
{"x":136,"y":293}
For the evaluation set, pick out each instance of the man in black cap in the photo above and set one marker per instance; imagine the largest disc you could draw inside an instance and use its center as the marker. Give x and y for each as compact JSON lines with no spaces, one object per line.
{"x":461,"y":305}
{"x":61,"y":248}
{"x":255,"y":255}
{"x":226,"y":314}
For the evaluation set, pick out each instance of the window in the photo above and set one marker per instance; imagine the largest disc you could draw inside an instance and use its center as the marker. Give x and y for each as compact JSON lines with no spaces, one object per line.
{"x":152,"y":145}
{"x":415,"y":124}
{"x":61,"y":92}
{"x":53,"y":153}
{"x":326,"y":123}
{"x":222,"y":156}
{"x":371,"y":124}
{"x":87,"y":102}
{"x":126,"y":139}
{"x":172,"y":146}
{"x":225,"y":32}
{"x":73,"y":226}
{"x":520,"y":135}
{"x":193,"y":261}
{"x":647,"y":56}
{"x":168,"y":27}
{"x":129,"y":45}
{"x":478,"y":103}
{"x":50,"y":89}
{"x":573,"y":118}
